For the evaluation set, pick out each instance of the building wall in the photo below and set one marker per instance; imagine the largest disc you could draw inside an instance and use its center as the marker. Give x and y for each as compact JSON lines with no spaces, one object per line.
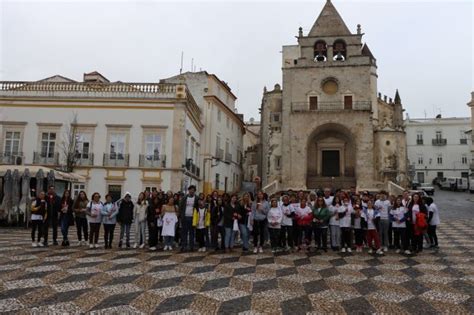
{"x":452,"y":164}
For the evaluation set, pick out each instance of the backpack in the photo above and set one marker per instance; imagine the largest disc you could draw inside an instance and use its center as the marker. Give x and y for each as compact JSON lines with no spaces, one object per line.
{"x":421,"y":221}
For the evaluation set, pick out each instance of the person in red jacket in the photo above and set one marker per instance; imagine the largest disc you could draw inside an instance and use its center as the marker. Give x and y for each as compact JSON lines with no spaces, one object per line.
{"x":304,"y":218}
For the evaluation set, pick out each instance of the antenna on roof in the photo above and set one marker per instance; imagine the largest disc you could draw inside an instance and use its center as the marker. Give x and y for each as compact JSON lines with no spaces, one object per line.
{"x":181,"y":69}
{"x":192,"y":64}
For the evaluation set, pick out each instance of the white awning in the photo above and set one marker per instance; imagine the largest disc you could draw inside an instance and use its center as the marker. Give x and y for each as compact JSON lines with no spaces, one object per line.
{"x":58,"y":175}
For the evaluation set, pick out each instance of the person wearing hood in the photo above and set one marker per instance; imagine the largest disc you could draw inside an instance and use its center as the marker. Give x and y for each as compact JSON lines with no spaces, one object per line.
{"x":125,"y":218}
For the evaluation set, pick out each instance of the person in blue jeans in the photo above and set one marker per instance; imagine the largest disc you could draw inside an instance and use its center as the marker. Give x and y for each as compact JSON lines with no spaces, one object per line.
{"x":66,"y":218}
{"x":186,"y":210}
{"x":231,"y":214}
{"x":245,"y":210}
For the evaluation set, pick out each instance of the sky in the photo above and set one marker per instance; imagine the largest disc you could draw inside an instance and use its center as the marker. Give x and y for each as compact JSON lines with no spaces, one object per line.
{"x":423,"y":48}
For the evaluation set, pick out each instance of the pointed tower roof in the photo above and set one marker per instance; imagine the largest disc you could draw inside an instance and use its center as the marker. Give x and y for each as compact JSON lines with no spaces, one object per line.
{"x":397,"y":98}
{"x":329,"y":23}
{"x":366,"y":51}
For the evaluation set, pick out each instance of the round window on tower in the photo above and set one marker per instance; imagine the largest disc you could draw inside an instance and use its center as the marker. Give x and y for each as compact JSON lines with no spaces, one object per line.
{"x":330,"y":86}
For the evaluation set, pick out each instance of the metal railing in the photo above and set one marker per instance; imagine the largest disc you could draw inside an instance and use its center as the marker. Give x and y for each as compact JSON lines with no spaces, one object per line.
{"x":152,"y":160}
{"x":85,"y":159}
{"x":116,"y":159}
{"x":331,"y":106}
{"x":439,"y":141}
{"x":13,"y":158}
{"x":419,"y":141}
{"x":193,"y":169}
{"x":41,"y":158}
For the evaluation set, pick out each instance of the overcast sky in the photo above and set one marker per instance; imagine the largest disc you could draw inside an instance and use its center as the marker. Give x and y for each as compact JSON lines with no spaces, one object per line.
{"x":423,"y":48}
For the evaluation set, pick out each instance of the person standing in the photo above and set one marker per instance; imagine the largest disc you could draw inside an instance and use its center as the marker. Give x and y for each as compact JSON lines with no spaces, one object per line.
{"x":125,"y":218}
{"x":66,"y":218}
{"x":383,"y":206}
{"x":186,"y":208}
{"x":260,"y":208}
{"x":140,"y":214}
{"x":415,"y":206}
{"x":274,"y":218}
{"x":201,"y":222}
{"x":304,"y":219}
{"x":345,"y":214}
{"x":94,"y":210}
{"x":231,"y":214}
{"x":433,"y":221}
{"x":170,"y":219}
{"x":371,"y":218}
{"x":356,"y":224}
{"x":288,"y":211}
{"x":80,"y":209}
{"x":245,"y":211}
{"x":217,"y":225}
{"x":54,"y":207}
{"x":153,"y":213}
{"x":39,"y":215}
{"x":334,"y":224}
{"x":398,"y":216}
{"x":109,"y":219}
{"x":321,"y":217}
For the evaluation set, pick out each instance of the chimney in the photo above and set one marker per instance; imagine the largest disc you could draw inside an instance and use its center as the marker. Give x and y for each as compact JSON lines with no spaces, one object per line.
{"x":385,"y":98}
{"x":390,"y":100}
{"x":380,"y":96}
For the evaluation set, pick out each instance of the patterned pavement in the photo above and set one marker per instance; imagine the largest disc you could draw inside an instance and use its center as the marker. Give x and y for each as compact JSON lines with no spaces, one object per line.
{"x":79,"y":280}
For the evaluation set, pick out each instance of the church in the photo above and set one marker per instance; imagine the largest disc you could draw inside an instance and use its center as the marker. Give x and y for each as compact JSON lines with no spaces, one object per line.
{"x":327,"y":125}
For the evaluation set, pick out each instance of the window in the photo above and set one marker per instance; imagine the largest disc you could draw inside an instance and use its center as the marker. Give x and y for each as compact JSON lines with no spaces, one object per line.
{"x":275,"y":117}
{"x":420,"y":176}
{"x":420,"y":159}
{"x":117,"y":146}
{"x":439,"y":159}
{"x":83,"y":146}
{"x":191,"y":152}
{"x":12,"y":143}
{"x":348,"y":102}
{"x":48,"y":142}
{"x":218,"y":142}
{"x":320,"y":51}
{"x":339,"y":50}
{"x":439,"y":136}
{"x":219,"y":115}
{"x":278,"y":162}
{"x":463,"y":137}
{"x":152,"y":146}
{"x":313,"y":103}
{"x":419,"y":138}
{"x":77,"y":188}
{"x":217,"y":181}
{"x":465,"y":174}
{"x":227,"y":147}
{"x":464,"y":159}
{"x":440,"y":175}
{"x":151,"y":188}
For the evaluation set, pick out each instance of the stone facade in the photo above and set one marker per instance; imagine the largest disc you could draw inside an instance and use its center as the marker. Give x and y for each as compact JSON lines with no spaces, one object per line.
{"x":327,"y":126}
{"x":471,"y":105}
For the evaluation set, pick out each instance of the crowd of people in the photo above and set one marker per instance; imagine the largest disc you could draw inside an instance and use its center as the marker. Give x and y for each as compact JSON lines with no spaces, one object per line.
{"x":292,"y":221}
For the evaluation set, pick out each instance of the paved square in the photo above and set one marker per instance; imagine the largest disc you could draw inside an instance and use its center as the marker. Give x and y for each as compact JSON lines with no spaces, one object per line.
{"x":79,"y":280}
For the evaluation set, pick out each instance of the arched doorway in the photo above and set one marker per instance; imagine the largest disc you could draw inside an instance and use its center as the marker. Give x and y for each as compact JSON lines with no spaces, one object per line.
{"x":331,"y":157}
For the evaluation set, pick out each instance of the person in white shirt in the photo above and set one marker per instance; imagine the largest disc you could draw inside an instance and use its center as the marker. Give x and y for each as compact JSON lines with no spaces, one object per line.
{"x":383,"y":205}
{"x":433,"y":221}
{"x":334,"y":224}
{"x":327,"y":197}
{"x":371,"y":219}
{"x":286,"y":237}
{"x":139,"y":210}
{"x":274,"y":218}
{"x":304,"y":219}
{"x":345,"y":212}
{"x":398,"y":217}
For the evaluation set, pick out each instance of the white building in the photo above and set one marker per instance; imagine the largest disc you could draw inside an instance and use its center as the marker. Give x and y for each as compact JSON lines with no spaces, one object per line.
{"x":471,"y":105}
{"x":131,"y":136}
{"x":222,"y":135}
{"x":438,"y":147}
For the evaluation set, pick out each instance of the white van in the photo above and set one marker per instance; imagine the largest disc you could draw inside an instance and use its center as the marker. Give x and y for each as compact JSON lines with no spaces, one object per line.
{"x":454,"y":183}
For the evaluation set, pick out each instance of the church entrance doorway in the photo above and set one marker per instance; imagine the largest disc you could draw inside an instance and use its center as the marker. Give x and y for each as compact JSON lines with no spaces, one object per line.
{"x":330,"y":163}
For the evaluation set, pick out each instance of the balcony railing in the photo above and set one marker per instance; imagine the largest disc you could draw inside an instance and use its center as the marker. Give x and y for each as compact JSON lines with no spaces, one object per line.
{"x":193,"y":168}
{"x":84,"y":159}
{"x":462,"y":141}
{"x":419,"y":141}
{"x":439,"y":141}
{"x":331,"y":106}
{"x":220,"y":154}
{"x":152,"y":160}
{"x":228,"y":157}
{"x":116,"y":159}
{"x":45,"y":159}
{"x":11,"y":158}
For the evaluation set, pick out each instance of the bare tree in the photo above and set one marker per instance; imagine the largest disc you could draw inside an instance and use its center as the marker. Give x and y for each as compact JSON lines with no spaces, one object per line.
{"x":69,"y":145}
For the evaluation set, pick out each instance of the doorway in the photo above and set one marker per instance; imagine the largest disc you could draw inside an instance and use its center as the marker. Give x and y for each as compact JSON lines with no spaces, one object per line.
{"x":331,"y":163}
{"x":115,"y":191}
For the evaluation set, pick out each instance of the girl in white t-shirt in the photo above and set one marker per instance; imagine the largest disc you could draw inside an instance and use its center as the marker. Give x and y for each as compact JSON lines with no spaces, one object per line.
{"x":334,"y":223}
{"x":398,"y":217}
{"x":345,"y":212}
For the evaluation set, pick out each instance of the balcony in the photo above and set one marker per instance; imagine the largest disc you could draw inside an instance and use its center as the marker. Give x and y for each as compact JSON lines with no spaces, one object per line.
{"x":193,"y":168}
{"x":228,"y":157}
{"x":152,"y":160}
{"x":462,"y":141}
{"x":11,"y":158}
{"x":439,"y":141}
{"x":45,"y":159}
{"x":220,"y":154}
{"x":419,"y":141}
{"x":116,"y":159}
{"x":84,"y":159}
{"x":331,"y":106}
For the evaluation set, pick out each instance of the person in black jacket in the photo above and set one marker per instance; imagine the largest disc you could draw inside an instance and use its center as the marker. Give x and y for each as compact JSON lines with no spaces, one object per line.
{"x":54,"y":207}
{"x":153,"y":212}
{"x":38,"y":217}
{"x":187,"y":204}
{"x":66,"y":217}
{"x":217,"y":224}
{"x":125,"y":218}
